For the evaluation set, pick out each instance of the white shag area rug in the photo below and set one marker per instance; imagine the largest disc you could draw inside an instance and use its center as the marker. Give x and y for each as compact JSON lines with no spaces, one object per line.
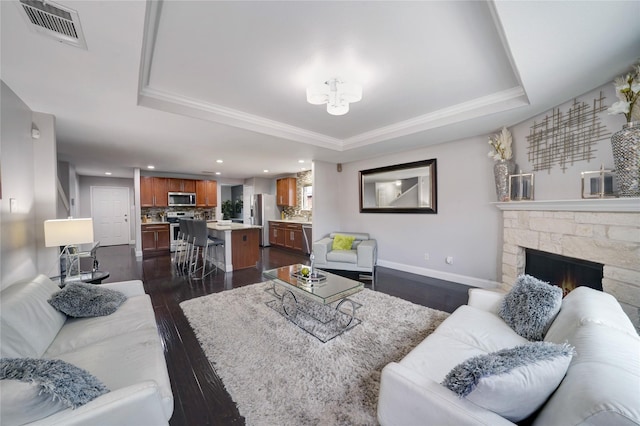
{"x":278,"y":374}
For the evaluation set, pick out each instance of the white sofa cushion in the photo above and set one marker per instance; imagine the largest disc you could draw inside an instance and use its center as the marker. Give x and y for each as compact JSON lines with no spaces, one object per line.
{"x":530,"y":306}
{"x":81,"y":332}
{"x":512,"y":382}
{"x":602,"y":386}
{"x":346,"y":256}
{"x":28,"y":323}
{"x":585,"y":305}
{"x":125,"y":359}
{"x":467,"y":332}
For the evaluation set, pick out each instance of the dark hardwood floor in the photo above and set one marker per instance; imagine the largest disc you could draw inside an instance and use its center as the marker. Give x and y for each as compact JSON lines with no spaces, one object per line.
{"x":199,"y":394}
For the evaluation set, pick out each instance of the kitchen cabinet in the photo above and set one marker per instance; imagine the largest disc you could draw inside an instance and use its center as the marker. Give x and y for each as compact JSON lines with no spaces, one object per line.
{"x":277,"y":233}
{"x":181,"y":185}
{"x":286,"y":192}
{"x":206,"y":193}
{"x":293,"y":237}
{"x":245,"y":248}
{"x":288,"y":235}
{"x":155,"y":238}
{"x":153,"y":192}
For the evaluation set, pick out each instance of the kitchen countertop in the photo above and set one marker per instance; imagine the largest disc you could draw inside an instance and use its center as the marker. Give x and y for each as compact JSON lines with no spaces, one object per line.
{"x":155,"y":222}
{"x":301,"y":222}
{"x":231,"y":226}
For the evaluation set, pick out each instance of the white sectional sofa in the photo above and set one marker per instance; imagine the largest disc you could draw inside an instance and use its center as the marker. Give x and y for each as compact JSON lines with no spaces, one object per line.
{"x":123,"y":350}
{"x":601,"y":386}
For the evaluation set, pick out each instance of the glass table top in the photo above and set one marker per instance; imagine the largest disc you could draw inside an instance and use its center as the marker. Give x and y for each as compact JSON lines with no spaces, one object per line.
{"x":333,"y":288}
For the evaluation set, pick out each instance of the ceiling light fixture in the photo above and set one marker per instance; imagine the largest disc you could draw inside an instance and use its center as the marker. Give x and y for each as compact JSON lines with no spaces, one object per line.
{"x":336,"y":94}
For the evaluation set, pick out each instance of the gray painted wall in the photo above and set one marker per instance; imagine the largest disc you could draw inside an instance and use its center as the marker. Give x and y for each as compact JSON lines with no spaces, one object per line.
{"x":468,"y":226}
{"x":21,"y":230}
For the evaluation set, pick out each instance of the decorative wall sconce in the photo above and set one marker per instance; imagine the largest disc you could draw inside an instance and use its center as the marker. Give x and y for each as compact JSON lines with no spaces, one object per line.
{"x":521,"y":186}
{"x":599,"y":183}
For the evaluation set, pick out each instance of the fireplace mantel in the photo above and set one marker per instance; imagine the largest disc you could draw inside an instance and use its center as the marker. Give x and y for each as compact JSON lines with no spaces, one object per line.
{"x":617,"y":205}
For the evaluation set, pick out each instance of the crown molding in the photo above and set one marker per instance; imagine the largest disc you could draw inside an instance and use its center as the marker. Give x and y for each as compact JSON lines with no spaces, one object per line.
{"x":169,"y":102}
{"x":496,"y":102}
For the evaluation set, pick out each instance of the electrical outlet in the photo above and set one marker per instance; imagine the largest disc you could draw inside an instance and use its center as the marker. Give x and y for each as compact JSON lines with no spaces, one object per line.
{"x":426,"y":256}
{"x":449,"y":260}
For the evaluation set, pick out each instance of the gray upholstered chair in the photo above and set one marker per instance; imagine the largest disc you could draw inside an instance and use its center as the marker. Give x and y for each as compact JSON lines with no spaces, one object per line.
{"x":361,"y":256}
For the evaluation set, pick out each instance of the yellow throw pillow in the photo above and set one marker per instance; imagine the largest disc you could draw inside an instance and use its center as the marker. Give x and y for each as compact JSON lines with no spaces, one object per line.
{"x":342,"y":242}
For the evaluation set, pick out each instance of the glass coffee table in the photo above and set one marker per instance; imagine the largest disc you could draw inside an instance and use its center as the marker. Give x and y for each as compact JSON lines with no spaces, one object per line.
{"x":319,"y":305}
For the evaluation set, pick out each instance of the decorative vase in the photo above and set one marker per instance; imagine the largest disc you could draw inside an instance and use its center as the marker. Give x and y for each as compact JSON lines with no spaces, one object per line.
{"x":501,"y":171}
{"x":625,"y":144}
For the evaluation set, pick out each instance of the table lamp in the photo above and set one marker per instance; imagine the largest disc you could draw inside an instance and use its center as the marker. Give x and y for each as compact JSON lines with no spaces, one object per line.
{"x":68,"y":233}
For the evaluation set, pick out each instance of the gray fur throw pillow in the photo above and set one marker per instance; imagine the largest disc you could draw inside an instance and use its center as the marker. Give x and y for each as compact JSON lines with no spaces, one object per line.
{"x":512,"y":382}
{"x":87,"y":300}
{"x":530,"y":307}
{"x":72,"y":385}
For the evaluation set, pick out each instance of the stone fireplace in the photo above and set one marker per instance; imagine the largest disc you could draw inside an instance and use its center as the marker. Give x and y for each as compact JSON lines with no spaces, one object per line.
{"x":603,"y":231}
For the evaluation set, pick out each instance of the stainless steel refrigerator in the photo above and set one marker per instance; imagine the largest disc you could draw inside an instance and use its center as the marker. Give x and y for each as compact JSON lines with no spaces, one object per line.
{"x":263,"y":209}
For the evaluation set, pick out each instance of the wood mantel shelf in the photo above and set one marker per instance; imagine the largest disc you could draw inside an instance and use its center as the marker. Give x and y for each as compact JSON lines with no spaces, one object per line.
{"x":617,"y":205}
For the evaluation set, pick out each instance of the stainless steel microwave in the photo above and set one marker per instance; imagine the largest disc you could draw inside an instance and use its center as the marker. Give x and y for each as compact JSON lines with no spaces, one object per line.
{"x":182,"y":199}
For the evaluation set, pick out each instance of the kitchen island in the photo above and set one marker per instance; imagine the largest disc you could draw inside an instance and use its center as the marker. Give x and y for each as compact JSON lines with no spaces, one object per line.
{"x":241,"y":245}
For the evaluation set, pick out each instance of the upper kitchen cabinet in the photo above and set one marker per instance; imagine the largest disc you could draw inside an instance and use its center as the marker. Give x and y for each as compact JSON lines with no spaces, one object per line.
{"x":181,"y":185}
{"x":286,"y":192}
{"x":153,"y":192}
{"x":206,"y":193}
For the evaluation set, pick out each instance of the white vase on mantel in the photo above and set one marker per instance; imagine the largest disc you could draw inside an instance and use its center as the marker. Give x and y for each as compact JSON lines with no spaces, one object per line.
{"x":501,"y":171}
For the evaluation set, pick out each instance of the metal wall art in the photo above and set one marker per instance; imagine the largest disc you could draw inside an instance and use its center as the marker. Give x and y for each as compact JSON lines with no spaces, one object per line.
{"x":565,"y":138}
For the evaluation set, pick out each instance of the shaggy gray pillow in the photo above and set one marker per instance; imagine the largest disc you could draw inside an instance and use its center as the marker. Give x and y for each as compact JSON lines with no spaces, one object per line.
{"x":87,"y":300}
{"x":512,"y":382}
{"x":530,"y":307}
{"x":71,"y":385}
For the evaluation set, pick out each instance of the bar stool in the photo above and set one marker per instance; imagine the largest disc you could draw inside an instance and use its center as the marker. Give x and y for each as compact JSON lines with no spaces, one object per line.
{"x":216,"y":243}
{"x":201,"y":240}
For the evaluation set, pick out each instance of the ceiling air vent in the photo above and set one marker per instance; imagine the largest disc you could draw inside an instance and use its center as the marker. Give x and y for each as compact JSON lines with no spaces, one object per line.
{"x":55,"y":21}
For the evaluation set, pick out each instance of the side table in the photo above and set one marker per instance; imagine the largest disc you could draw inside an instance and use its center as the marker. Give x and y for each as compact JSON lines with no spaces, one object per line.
{"x":94,"y":277}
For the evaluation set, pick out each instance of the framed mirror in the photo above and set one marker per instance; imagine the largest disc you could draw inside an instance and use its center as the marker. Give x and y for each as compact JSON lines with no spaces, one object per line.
{"x":401,"y":188}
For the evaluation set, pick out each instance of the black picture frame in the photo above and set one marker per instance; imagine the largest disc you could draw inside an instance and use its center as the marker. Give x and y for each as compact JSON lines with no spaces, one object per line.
{"x":400,"y":188}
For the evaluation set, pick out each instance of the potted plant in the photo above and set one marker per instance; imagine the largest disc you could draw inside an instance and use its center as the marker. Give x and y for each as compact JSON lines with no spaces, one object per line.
{"x":227,"y":209}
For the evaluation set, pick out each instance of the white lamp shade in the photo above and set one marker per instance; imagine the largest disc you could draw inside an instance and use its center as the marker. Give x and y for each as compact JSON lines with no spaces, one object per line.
{"x":350,"y":92}
{"x":336,"y":94}
{"x":318,"y":94}
{"x":338,"y":109}
{"x":62,"y":232}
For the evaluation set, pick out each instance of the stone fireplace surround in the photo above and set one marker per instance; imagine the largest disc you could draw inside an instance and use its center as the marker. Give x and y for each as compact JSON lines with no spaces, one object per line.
{"x":605,"y":231}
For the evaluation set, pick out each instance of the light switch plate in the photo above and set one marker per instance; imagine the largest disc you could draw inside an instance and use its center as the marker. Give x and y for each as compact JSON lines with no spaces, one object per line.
{"x":13,"y":205}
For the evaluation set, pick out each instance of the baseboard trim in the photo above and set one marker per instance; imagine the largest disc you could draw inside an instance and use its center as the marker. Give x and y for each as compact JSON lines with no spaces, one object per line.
{"x":447,"y":276}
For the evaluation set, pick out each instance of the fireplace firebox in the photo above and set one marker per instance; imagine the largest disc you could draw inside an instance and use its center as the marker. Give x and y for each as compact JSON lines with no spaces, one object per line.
{"x":565,"y":272}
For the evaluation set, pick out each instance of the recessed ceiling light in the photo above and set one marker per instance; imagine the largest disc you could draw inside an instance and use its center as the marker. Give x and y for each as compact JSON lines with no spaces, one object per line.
{"x":300,"y":161}
{"x":107,"y":173}
{"x":218,"y":173}
{"x":151,"y":167}
{"x":266,"y":171}
{"x":218,"y":161}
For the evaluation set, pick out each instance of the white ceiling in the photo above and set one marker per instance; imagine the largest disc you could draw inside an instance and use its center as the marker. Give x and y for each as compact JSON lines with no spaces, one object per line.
{"x":180,"y":84}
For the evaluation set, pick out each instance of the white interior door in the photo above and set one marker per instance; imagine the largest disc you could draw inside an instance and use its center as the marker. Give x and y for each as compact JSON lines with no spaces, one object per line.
{"x":110,"y":212}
